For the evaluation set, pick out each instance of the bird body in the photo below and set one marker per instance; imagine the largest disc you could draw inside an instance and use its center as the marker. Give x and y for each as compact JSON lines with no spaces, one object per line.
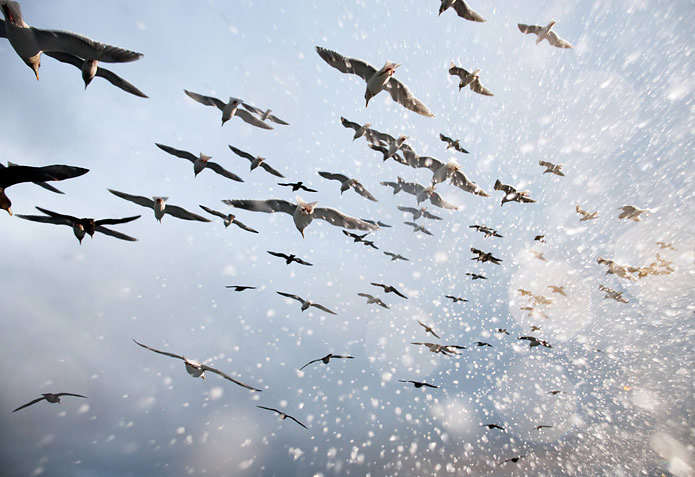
{"x":200,"y":162}
{"x":552,"y":168}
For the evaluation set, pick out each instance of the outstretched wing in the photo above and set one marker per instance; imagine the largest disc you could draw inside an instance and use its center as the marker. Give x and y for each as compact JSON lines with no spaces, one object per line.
{"x":181,"y":213}
{"x":177,"y":152}
{"x":165,"y":353}
{"x":335,"y":217}
{"x":251,"y":119}
{"x":206,"y":100}
{"x":333,"y":176}
{"x":241,"y":225}
{"x":321,"y":307}
{"x":437,"y":200}
{"x":535,"y":29}
{"x":465,"y":12}
{"x":290,"y":295}
{"x":274,"y":172}
{"x":81,"y":46}
{"x":458,"y":71}
{"x":70,"y":394}
{"x":29,"y":403}
{"x":138,"y":199}
{"x":213,"y":212}
{"x":460,"y":180}
{"x":359,"y":188}
{"x":346,"y":65}
{"x":349,"y":124}
{"x":558,"y":42}
{"x":228,"y":377}
{"x":268,"y":206}
{"x":402,"y":95}
{"x":310,"y":362}
{"x":295,"y":420}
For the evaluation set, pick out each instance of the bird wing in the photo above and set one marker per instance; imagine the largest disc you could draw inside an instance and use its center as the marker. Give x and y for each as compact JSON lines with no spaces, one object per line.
{"x":29,"y":403}
{"x":260,"y":112}
{"x":228,"y":377}
{"x":251,"y":119}
{"x":359,"y":188}
{"x":182,"y":213}
{"x":411,"y":187}
{"x":366,"y":295}
{"x":241,"y":153}
{"x":277,"y":254}
{"x":535,"y":29}
{"x":138,"y":199}
{"x":302,"y":262}
{"x":268,"y":206}
{"x":460,"y":180}
{"x":165,"y":353}
{"x":402,"y":95}
{"x":57,"y":172}
{"x":70,"y":394}
{"x":346,"y":65}
{"x":349,"y":124}
{"x":206,"y":100}
{"x":65,"y":218}
{"x":290,"y":295}
{"x":398,"y":293}
{"x":478,"y":87}
{"x":558,"y":42}
{"x":123,"y":220}
{"x":342,"y":356}
{"x":545,"y":164}
{"x":333,"y":176}
{"x":321,"y":307}
{"x":295,"y":420}
{"x":335,"y":217}
{"x":504,"y":187}
{"x":47,"y":219}
{"x":410,"y":210}
{"x":310,"y":362}
{"x":213,"y":212}
{"x":427,"y":215}
{"x":223,"y":172}
{"x":379,"y":284}
{"x":458,"y":71}
{"x":114,"y":233}
{"x":3,"y":33}
{"x":274,"y":172}
{"x":437,"y":200}
{"x":429,"y":385}
{"x":40,"y":184}
{"x":241,"y":225}
{"x":177,"y":152}
{"x":81,"y":46}
{"x":465,"y":12}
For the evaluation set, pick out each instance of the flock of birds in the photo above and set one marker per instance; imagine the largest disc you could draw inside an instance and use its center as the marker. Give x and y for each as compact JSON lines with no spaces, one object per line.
{"x":88,"y":55}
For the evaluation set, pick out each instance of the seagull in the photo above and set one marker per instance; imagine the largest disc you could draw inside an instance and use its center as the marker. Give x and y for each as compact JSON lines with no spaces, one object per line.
{"x":451,"y":143}
{"x":389,"y":289}
{"x":359,"y":130}
{"x":355,"y":237}
{"x":240,"y":288}
{"x":523,"y":292}
{"x":513,"y":459}
{"x":264,"y":114}
{"x":553,"y":168}
{"x":475,"y":276}
{"x":283,"y":415}
{"x":555,"y":392}
{"x":396,"y":256}
{"x":228,"y":219}
{"x":158,"y":204}
{"x":423,"y":193}
{"x":296,"y":186}
{"x":82,"y":226}
{"x":373,"y":299}
{"x":50,"y":397}
{"x":664,"y":245}
{"x":378,"y":223}
{"x":493,"y":426}
{"x":394,"y":145}
{"x":538,"y":428}
{"x":535,"y":328}
{"x":428,"y":329}
{"x":418,"y":384}
{"x":485,"y":230}
{"x":545,"y":33}
{"x":511,"y":194}
{"x":229,"y":109}
{"x":481,"y":343}
{"x":256,"y":161}
{"x":417,"y":213}
{"x":446,"y":350}
{"x":450,"y":170}
{"x":198,"y":369}
{"x":326,"y":359}
{"x":610,"y":293}
{"x":535,"y":313}
{"x":200,"y":162}
{"x":461,"y":9}
{"x":44,"y":185}
{"x":502,"y":330}
{"x":533,"y":341}
{"x":631,"y":212}
{"x":302,"y":213}
{"x":347,"y":183}
{"x":376,"y":80}
{"x":538,"y":255}
{"x":455,"y":299}
{"x":485,"y":256}
{"x":289,"y":258}
{"x":30,"y":42}
{"x":469,"y":79}
{"x":10,"y":176}
{"x":623,"y":271}
{"x":585,"y":215}
{"x":418,"y":228}
{"x":306,"y":303}
{"x":556,"y":289}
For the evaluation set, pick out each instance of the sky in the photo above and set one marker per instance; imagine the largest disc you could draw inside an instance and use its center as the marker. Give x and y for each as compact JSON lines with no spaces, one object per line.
{"x":617,"y":111}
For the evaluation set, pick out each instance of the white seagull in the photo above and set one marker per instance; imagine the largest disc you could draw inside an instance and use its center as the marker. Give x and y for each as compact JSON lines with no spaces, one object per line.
{"x":462,"y":10}
{"x":347,"y":183}
{"x":229,"y":109}
{"x":199,"y":163}
{"x":158,"y":204}
{"x":306,"y":303}
{"x":545,"y":33}
{"x":255,"y":161}
{"x":469,"y":79}
{"x":632,"y":213}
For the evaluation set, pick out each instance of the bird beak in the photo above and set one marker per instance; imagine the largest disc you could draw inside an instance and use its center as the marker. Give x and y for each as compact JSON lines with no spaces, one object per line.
{"x":9,"y":211}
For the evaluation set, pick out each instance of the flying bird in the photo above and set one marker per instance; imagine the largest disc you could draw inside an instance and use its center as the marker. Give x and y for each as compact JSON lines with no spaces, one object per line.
{"x":623,"y":271}
{"x":423,"y":193}
{"x":200,"y":162}
{"x":228,"y":219}
{"x":418,"y":228}
{"x":511,"y":194}
{"x":378,"y":223}
{"x":476,"y":276}
{"x":543,"y":426}
{"x":539,"y":238}
{"x":485,"y":256}
{"x":428,"y":329}
{"x":264,"y":114}
{"x":306,"y":303}
{"x":303,"y":213}
{"x":470,"y":79}
{"x":664,"y":245}
{"x":50,"y":397}
{"x":513,"y":459}
{"x":545,"y":33}
{"x":493,"y":426}
{"x":552,"y":168}
{"x":230,"y":109}
{"x":455,"y":299}
{"x":283,"y":416}
{"x":388,"y":145}
{"x":158,"y":205}
{"x":485,"y":230}
{"x":289,"y":258}
{"x":389,"y":289}
{"x":555,"y":392}
{"x":360,"y":130}
{"x":417,"y":213}
{"x":482,"y":343}
{"x":396,"y":256}
{"x":256,"y":161}
{"x":373,"y":299}
{"x":502,"y":330}
{"x":376,"y":80}
{"x":538,"y":255}
{"x":240,"y":288}
{"x":631,"y":212}
{"x":418,"y":384}
{"x":326,"y":359}
{"x":533,"y":341}
{"x":442,"y":171}
{"x":29,"y":42}
{"x":446,"y":350}
{"x":355,"y":237}
{"x":198,"y":369}
{"x":610,"y":293}
{"x":461,"y":9}
{"x":586,"y":215}
{"x":10,"y":176}
{"x":451,"y":143}
{"x":557,"y":289}
{"x":296,"y":186}
{"x":348,"y":183}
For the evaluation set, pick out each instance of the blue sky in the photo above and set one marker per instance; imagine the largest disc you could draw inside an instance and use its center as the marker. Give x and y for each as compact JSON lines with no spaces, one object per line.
{"x":617,"y":111}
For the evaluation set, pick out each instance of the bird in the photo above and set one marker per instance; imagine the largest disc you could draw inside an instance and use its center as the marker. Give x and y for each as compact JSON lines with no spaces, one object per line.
{"x":555,"y":392}
{"x":389,"y":289}
{"x":228,"y":219}
{"x":476,"y":276}
{"x":396,"y":256}
{"x":418,"y":384}
{"x":29,"y":42}
{"x":82,"y":226}
{"x":610,"y":293}
{"x":585,"y":215}
{"x":446,"y":350}
{"x":485,"y":230}
{"x":360,"y":130}
{"x":423,"y":193}
{"x":538,"y":255}
{"x":198,"y":369}
{"x":493,"y":426}
{"x":370,"y":243}
{"x":326,"y":359}
{"x":513,"y":459}
{"x":378,"y":223}
{"x":533,"y":341}
{"x":256,"y":161}
{"x":502,"y":330}
{"x":542,"y":300}
{"x":539,"y":238}
{"x":631,"y":212}
{"x":380,"y":141}
{"x":542,"y":426}
{"x":229,"y":109}
{"x":283,"y":415}
{"x":442,"y":171}
{"x":511,"y":194}
{"x":428,"y":329}
{"x":158,"y":204}
{"x":43,"y":185}
{"x":535,"y":328}
{"x":455,"y":299}
{"x":296,"y":186}
{"x":417,"y":213}
{"x":264,"y":114}
{"x":418,"y":228}
{"x":376,"y":80}
{"x":623,"y":271}
{"x":302,"y":213}
{"x":10,"y":176}
{"x":534,"y":312}
{"x":451,"y":143}
{"x":461,"y":9}
{"x":545,"y":33}
{"x":523,"y":292}
{"x":200,"y":162}
{"x":355,"y":237}
{"x":240,"y":288}
{"x":289,"y":258}
{"x":348,"y":183}
{"x":396,"y":186}
{"x":485,"y":256}
{"x":552,"y":168}
{"x":373,"y":299}
{"x":306,"y":303}
{"x":664,"y":245}
{"x":470,"y":79}
{"x":557,"y":289}
{"x":50,"y":397}
{"x":482,"y":343}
